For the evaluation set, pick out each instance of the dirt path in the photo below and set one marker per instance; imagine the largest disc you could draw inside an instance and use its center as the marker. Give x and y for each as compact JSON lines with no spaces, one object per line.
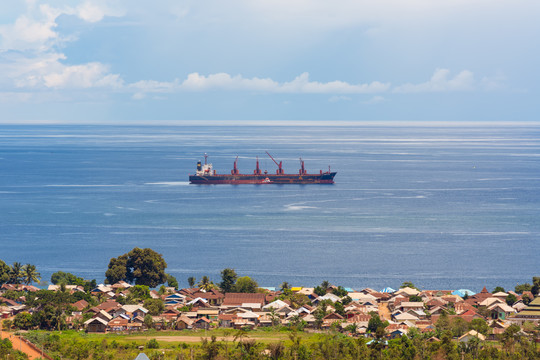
{"x":384,"y":312}
{"x":18,"y":344}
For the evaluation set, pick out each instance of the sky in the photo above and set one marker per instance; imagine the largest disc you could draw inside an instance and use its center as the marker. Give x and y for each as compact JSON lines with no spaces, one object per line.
{"x":175,"y":61}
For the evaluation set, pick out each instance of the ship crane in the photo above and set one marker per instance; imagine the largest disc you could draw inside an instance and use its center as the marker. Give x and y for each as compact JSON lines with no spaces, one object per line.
{"x":235,"y":170}
{"x":280,"y":169}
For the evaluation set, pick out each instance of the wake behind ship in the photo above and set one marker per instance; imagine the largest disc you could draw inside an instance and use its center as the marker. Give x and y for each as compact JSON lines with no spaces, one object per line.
{"x":205,"y":175}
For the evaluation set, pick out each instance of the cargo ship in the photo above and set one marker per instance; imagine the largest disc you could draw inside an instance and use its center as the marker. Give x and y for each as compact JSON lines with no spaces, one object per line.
{"x":206,"y":175}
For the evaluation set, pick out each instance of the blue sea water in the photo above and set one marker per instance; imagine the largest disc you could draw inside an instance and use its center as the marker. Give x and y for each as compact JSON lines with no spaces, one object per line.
{"x":443,"y":207}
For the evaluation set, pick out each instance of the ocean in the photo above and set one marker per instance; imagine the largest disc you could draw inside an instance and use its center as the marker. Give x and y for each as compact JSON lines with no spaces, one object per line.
{"x":446,"y":207}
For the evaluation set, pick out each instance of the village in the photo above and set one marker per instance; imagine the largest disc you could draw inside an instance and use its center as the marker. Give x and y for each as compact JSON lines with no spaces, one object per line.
{"x":483,"y":315}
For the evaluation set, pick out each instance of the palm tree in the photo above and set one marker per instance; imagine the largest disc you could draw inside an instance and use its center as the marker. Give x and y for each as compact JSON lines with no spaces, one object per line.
{"x":30,"y":274}
{"x":15,"y":274}
{"x":205,"y":284}
{"x":191,"y":281}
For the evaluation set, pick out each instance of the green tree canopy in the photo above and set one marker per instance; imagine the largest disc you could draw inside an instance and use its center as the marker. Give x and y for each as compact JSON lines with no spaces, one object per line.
{"x":139,"y":266}
{"x":4,"y":272}
{"x":408,"y":284}
{"x":228,"y":277}
{"x":30,"y":274}
{"x":172,"y":282}
{"x":66,"y":278}
{"x":15,"y":273}
{"x":245,"y":284}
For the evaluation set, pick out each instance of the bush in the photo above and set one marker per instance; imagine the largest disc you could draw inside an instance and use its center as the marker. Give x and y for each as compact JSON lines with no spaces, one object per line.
{"x":152,"y":344}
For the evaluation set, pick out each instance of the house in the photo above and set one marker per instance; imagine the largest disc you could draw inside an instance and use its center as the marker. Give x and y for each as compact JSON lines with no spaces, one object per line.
{"x":96,"y":325}
{"x":80,"y":305}
{"x":530,"y":313}
{"x":202,"y":323}
{"x":183,"y":323}
{"x":501,"y":311}
{"x":470,"y":335}
{"x":226,"y":320}
{"x":252,"y":301}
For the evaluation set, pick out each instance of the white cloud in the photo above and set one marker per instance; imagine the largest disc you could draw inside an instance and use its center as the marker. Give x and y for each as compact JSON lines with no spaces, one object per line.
{"x":301,"y":84}
{"x":89,"y":75}
{"x":375,"y":100}
{"x":36,"y":28}
{"x":439,"y":82}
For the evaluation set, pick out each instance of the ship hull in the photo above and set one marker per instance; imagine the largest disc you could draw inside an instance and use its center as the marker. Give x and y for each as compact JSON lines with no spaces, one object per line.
{"x":325,"y":178}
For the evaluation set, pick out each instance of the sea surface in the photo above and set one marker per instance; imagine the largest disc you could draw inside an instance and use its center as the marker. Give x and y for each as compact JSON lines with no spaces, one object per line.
{"x":443,"y":207}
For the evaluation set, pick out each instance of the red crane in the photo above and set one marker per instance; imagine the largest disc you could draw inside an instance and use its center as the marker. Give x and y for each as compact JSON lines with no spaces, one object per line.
{"x":280,"y":169}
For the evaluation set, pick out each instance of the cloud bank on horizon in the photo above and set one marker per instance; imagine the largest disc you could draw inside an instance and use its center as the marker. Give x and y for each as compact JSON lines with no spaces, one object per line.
{"x":103,"y":61}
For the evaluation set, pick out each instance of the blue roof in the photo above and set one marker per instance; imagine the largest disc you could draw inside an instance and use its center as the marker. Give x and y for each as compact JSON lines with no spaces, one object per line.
{"x":388,"y":290}
{"x":462,"y":292}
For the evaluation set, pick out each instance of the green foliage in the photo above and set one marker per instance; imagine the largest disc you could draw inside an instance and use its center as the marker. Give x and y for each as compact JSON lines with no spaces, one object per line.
{"x":4,"y":272}
{"x":228,"y":280}
{"x":511,"y":299}
{"x":375,"y":323}
{"x":246,"y":284}
{"x":205,"y":283}
{"x":340,"y":309}
{"x":340,"y":291}
{"x":139,"y":266}
{"x":535,"y":289}
{"x":415,"y":298}
{"x":408,"y":284}
{"x":154,"y":306}
{"x":319,"y":291}
{"x":152,"y":344}
{"x":15,"y":273}
{"x":191,"y":281}
{"x":520,"y":288}
{"x":139,"y":293}
{"x":148,"y":321}
{"x":66,"y":278}
{"x":498,"y":289}
{"x":23,"y":321}
{"x":172,"y":282}
{"x":480,"y":325}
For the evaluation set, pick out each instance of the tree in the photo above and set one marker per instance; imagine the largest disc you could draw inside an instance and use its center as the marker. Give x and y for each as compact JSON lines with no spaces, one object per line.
{"x":480,"y":325}
{"x":375,"y":322}
{"x":172,"y":282}
{"x":139,"y":266}
{"x":285,"y":286}
{"x":319,"y":291}
{"x":117,"y":270}
{"x":498,"y":289}
{"x":511,"y":299}
{"x":340,"y":291}
{"x":408,"y":284}
{"x":246,"y":284}
{"x":520,"y":288}
{"x":29,"y":274}
{"x":154,"y":306}
{"x":191,"y":281}
{"x":535,"y":289}
{"x":23,"y":320}
{"x":15,"y":274}
{"x":205,"y":283}
{"x":228,"y":280}
{"x":415,"y":298}
{"x":4,"y":272}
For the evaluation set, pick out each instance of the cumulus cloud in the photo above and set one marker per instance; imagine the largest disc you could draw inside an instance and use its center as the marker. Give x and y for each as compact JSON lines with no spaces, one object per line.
{"x":439,"y":82}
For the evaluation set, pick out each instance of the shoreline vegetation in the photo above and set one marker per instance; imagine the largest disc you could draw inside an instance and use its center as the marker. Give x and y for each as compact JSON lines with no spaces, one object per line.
{"x":141,"y":309}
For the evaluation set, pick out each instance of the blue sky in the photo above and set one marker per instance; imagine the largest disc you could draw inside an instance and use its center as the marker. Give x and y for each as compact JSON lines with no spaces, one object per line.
{"x":133,"y":61}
